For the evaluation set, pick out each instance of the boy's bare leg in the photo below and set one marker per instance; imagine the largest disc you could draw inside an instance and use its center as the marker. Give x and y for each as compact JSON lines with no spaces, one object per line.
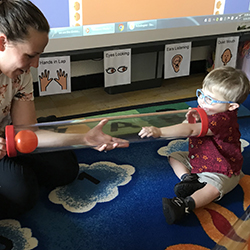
{"x":189,"y":182}
{"x":178,"y":167}
{"x":205,"y":195}
{"x":190,"y":193}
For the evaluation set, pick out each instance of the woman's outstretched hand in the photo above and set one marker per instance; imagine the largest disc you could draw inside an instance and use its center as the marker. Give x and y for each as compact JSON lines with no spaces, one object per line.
{"x":101,"y":141}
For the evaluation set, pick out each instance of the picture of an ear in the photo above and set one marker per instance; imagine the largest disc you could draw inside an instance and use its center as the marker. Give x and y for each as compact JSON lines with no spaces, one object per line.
{"x":233,"y":106}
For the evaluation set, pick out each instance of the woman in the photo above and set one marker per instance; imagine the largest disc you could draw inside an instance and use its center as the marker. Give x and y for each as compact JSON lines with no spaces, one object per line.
{"x":23,"y":37}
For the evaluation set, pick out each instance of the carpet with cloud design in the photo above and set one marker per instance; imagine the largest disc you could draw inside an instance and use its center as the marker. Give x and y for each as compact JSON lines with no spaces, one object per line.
{"x":116,"y":203}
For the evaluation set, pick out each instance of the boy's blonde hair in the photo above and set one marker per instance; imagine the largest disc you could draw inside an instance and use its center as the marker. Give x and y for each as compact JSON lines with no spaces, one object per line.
{"x":229,"y":82}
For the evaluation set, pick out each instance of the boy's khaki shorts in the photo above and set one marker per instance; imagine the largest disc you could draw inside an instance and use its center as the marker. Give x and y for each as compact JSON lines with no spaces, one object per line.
{"x":222,"y":182}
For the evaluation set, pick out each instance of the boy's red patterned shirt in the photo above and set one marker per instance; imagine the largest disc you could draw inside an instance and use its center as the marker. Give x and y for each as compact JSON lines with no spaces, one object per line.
{"x":221,"y":152}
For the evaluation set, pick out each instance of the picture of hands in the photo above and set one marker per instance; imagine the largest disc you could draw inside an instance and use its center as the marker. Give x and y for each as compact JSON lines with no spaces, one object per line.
{"x":45,"y":80}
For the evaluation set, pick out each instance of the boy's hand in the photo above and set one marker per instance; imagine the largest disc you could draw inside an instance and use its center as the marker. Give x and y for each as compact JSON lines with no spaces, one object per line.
{"x":192,"y":116}
{"x":150,"y":131}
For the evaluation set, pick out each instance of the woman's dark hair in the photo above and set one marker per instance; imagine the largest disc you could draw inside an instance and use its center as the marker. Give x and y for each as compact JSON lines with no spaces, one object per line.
{"x":17,"y":16}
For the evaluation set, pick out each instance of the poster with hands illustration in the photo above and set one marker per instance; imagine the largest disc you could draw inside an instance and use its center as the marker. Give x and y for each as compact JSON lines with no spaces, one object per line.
{"x":54,"y":75}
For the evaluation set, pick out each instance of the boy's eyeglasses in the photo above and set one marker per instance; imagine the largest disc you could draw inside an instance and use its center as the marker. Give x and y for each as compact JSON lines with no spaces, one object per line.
{"x":207,"y":99}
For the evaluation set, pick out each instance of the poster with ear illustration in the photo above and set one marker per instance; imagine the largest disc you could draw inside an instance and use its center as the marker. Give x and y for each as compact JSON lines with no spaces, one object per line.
{"x":177,"y":59}
{"x":54,"y":75}
{"x":226,"y":51}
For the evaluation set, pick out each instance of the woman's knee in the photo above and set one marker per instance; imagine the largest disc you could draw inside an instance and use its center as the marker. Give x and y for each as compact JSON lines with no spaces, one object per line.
{"x":67,"y":169}
{"x":54,"y":168}
{"x":20,"y":203}
{"x":19,"y":188}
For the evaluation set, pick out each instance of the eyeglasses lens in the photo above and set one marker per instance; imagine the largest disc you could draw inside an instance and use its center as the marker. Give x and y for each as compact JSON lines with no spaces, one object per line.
{"x":207,"y":99}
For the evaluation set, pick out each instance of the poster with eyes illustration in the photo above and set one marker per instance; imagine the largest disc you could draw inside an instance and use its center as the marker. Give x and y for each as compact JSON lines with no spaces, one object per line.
{"x":54,"y":75}
{"x":117,"y":64}
{"x":177,"y":59}
{"x":226,"y":51}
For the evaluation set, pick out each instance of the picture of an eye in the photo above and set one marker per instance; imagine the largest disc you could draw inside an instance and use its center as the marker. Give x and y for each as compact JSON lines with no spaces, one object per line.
{"x":110,"y":70}
{"x":122,"y":69}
